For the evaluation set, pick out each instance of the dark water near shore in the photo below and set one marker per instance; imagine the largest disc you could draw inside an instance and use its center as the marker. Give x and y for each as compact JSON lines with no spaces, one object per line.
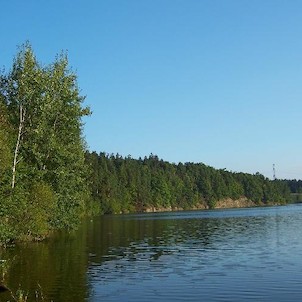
{"x":220,"y":255}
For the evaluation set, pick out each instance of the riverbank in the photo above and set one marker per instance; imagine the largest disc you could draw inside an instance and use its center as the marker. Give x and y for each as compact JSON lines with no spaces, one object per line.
{"x":237,"y":203}
{"x":226,"y":203}
{"x":221,"y":204}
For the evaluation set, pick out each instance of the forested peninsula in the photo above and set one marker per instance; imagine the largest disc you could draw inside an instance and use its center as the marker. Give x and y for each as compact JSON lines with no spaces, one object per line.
{"x":49,"y":181}
{"x":122,"y":185}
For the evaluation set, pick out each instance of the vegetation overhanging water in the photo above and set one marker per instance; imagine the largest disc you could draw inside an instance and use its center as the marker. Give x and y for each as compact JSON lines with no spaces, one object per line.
{"x":212,"y":255}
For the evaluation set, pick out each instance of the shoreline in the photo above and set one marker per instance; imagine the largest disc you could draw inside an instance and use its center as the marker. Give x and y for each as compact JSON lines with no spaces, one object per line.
{"x":226,"y":203}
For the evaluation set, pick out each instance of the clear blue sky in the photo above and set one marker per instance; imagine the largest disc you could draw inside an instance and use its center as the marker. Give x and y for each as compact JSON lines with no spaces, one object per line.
{"x":218,"y":82}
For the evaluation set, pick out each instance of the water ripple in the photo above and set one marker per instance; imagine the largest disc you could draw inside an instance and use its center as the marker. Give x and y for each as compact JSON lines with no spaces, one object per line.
{"x":217,"y":256}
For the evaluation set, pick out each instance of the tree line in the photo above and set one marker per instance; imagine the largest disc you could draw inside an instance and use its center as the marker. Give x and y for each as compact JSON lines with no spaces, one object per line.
{"x":123,"y":184}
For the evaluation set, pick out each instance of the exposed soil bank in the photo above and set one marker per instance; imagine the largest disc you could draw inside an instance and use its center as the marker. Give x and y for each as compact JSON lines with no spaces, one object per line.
{"x":238,"y":203}
{"x":221,"y":204}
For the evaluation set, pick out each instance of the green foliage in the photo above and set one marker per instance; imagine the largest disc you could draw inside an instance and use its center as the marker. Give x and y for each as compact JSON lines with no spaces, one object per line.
{"x":42,"y":170}
{"x":128,"y":185}
{"x":40,"y":206}
{"x":27,"y":214}
{"x":5,"y":144}
{"x":295,"y":186}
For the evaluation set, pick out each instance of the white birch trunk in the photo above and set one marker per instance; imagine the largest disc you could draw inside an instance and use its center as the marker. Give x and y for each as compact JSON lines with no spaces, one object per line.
{"x":18,"y":142}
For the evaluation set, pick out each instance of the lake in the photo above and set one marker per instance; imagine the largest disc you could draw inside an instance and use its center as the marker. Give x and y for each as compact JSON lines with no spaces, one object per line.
{"x":213,"y":255}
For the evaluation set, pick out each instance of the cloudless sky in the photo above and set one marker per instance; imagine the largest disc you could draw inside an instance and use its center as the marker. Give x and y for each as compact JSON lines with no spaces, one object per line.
{"x":218,"y":81}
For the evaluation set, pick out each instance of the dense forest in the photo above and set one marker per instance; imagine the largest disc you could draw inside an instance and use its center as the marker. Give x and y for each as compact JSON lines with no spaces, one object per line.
{"x":295,"y":186}
{"x":42,"y":172}
{"x":49,"y":181}
{"x":126,"y":185}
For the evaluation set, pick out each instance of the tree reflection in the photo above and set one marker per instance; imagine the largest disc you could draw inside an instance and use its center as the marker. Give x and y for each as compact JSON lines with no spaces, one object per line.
{"x":108,"y":248}
{"x":56,"y":267}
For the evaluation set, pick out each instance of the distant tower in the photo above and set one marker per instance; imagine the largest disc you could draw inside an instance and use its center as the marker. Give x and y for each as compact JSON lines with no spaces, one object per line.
{"x":274,"y":172}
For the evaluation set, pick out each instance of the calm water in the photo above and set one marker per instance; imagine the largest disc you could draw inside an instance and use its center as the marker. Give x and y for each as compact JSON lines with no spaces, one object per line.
{"x":221,"y":255}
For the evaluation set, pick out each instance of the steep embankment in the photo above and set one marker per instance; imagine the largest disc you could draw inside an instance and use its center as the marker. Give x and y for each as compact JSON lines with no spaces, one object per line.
{"x":221,"y":204}
{"x":238,"y":203}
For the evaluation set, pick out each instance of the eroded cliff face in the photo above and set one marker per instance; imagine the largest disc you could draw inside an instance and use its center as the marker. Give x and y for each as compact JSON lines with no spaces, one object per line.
{"x":170,"y":209}
{"x":221,"y":204}
{"x":238,"y":203}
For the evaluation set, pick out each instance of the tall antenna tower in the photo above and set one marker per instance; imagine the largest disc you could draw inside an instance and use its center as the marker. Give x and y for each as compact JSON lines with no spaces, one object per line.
{"x":274,"y":172}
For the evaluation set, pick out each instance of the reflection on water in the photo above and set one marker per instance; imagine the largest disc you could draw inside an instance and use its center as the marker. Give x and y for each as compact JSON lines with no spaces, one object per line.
{"x":56,"y":268}
{"x":222,"y":255}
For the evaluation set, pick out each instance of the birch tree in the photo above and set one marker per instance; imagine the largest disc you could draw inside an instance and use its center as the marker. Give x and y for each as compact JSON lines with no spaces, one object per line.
{"x":23,"y":91}
{"x":45,"y":109}
{"x":64,"y":150}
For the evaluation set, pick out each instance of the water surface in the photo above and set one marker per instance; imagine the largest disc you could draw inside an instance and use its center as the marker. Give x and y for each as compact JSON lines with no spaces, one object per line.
{"x":219,"y":255}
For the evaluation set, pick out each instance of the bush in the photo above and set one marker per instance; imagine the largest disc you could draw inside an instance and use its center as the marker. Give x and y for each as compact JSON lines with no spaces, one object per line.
{"x":38,"y":208}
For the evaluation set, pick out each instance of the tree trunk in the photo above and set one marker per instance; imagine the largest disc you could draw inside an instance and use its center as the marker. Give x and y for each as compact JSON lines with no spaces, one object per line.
{"x":17,"y":148}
